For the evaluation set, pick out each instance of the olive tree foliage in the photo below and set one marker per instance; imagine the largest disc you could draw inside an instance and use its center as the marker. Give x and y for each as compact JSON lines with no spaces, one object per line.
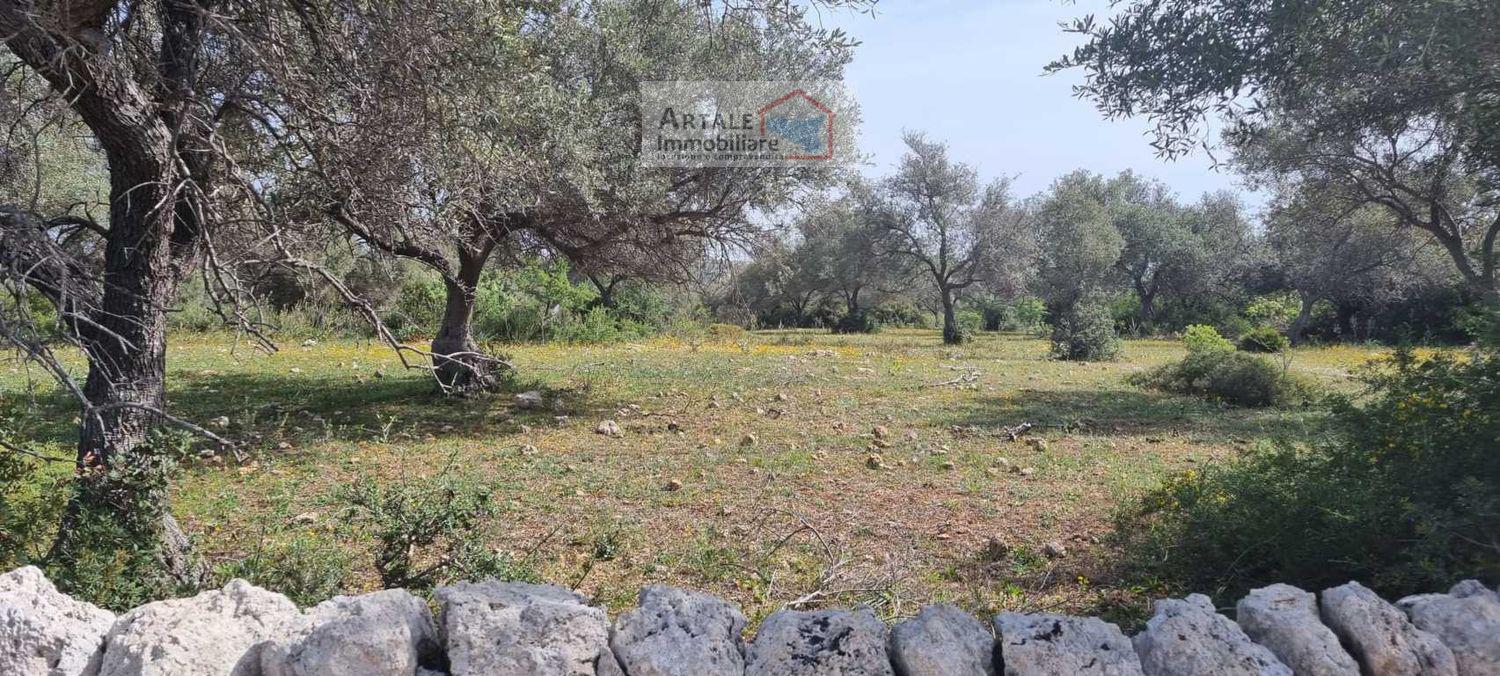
{"x":842,"y":252}
{"x":1331,"y":249}
{"x":516,"y":127}
{"x":1182,"y":255}
{"x":1079,"y":247}
{"x":1397,"y":97}
{"x":933,"y":214}
{"x":158,"y":87}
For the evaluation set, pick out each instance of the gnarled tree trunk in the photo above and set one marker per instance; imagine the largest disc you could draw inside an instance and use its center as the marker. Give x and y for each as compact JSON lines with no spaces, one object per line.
{"x":952,"y":334}
{"x":461,"y":366}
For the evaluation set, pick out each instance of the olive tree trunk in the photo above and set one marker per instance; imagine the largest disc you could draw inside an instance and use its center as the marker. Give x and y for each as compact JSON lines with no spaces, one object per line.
{"x":460,"y":364}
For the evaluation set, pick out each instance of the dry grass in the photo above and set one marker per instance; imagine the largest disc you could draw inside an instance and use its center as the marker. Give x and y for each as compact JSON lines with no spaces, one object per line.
{"x":795,"y":514}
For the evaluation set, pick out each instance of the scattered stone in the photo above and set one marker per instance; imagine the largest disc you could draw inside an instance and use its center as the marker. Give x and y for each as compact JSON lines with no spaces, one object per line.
{"x":942,"y":641}
{"x":879,"y":443}
{"x":996,"y":548}
{"x":1037,"y":443}
{"x":782,"y":396}
{"x":1054,"y":550}
{"x":881,"y":432}
{"x":528,"y":449}
{"x":1466,"y":619}
{"x":1005,"y":464}
{"x":672,"y":485}
{"x":674,"y":632}
{"x":1284,"y":619}
{"x":948,"y":464}
{"x":608,"y":428}
{"x":1026,"y":471}
{"x":530,"y":400}
{"x":1186,"y":637}
{"x":748,"y":440}
{"x":215,"y":632}
{"x":221,"y":422}
{"x":44,"y":632}
{"x":1380,"y":636}
{"x":386,"y":633}
{"x":1044,"y":643}
{"x":309,"y":342}
{"x":518,"y":629}
{"x":874,"y":461}
{"x":817,"y":643}
{"x":305,"y":518}
{"x":673,"y":426}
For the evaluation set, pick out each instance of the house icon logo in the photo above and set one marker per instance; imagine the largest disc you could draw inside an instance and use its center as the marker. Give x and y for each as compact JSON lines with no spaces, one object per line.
{"x":802,"y":122}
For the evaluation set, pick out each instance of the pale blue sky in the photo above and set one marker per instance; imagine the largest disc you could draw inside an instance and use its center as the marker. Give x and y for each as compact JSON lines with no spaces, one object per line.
{"x":969,"y":73}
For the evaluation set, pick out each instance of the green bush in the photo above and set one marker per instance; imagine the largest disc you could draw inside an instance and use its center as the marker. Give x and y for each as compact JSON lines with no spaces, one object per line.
{"x":1403,"y":494}
{"x":113,"y":556}
{"x":970,"y":322}
{"x":1264,"y":340}
{"x":308,"y":568}
{"x":862,"y":321}
{"x":1204,"y":338}
{"x":425,"y":530}
{"x":1085,"y":332}
{"x":1227,"y":376}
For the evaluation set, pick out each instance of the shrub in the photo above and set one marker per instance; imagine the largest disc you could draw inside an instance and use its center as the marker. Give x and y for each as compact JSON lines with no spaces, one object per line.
{"x":1264,"y":340}
{"x":1204,"y":338}
{"x":112,"y":556}
{"x":861,"y":321}
{"x":308,"y":568}
{"x":1226,"y":376}
{"x":970,"y":322}
{"x":1085,"y":332}
{"x":1403,"y":494}
{"x":424,"y":529}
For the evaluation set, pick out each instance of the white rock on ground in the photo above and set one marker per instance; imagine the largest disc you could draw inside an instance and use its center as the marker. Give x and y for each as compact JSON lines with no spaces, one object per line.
{"x":1467,"y":620}
{"x":675,"y":632}
{"x":1380,"y":636}
{"x":1186,"y":637}
{"x":821,"y":643}
{"x":942,"y":640}
{"x":497,"y":628}
{"x":1285,"y":619}
{"x":1046,"y":644}
{"x":216,"y":632}
{"x":387,"y":633}
{"x":44,"y":632}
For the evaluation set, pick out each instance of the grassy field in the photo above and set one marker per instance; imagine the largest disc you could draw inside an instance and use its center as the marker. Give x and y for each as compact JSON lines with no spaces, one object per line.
{"x":743,"y":467}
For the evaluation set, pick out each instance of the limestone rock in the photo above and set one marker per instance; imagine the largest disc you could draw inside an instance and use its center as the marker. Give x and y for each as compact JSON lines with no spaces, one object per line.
{"x":1187,"y":637}
{"x":674,"y":632}
{"x":1380,"y":637}
{"x":1467,"y":620}
{"x":942,"y":640}
{"x":215,"y":632}
{"x":1285,"y":619}
{"x":819,"y":643}
{"x":497,"y":628}
{"x":1043,"y":643}
{"x":44,"y":632}
{"x":529,"y":400}
{"x":386,"y":633}
{"x":608,"y":428}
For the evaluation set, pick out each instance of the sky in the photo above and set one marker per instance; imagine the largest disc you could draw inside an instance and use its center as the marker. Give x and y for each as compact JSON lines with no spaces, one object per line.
{"x":969,"y":73}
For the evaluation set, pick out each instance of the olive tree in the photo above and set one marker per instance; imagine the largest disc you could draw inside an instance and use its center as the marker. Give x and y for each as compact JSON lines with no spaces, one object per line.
{"x":1397,"y":96}
{"x":933,"y":213}
{"x":524,"y":134}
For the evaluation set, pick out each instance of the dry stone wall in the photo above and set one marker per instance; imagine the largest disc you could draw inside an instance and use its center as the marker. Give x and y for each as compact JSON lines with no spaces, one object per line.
{"x":492,"y":628}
